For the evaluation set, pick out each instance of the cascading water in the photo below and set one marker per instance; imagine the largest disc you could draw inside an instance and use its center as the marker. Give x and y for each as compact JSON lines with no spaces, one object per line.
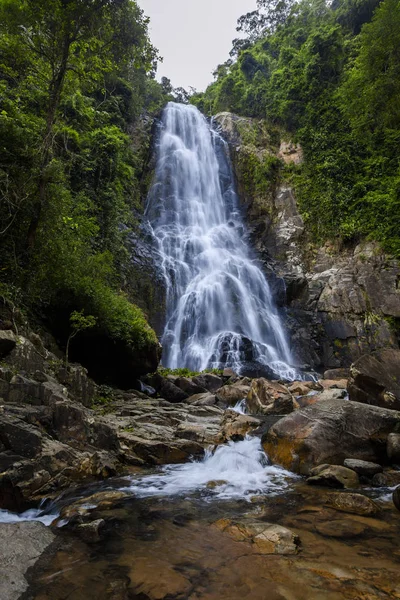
{"x":220,"y":311}
{"x":236,"y":470}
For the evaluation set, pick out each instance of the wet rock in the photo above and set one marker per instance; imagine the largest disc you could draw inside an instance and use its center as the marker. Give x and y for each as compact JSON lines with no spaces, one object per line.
{"x":211,"y":485}
{"x":98,"y":501}
{"x":91,"y":532}
{"x":330,"y":431}
{"x":353,"y":503}
{"x":8,"y":341}
{"x":268,"y":397}
{"x":393,"y":447}
{"x":229,"y":395}
{"x":341,"y":529}
{"x":267,"y":538}
{"x":155,"y":579}
{"x":375,"y":379}
{"x":333,"y":476}
{"x":396,"y":498}
{"x":21,"y":546}
{"x":362,"y":467}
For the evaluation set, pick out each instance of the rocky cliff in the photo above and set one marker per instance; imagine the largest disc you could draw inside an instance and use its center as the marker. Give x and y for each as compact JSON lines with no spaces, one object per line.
{"x":340,"y":302}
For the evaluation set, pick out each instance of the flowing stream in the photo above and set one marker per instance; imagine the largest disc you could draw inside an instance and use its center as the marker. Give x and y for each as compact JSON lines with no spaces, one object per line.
{"x":220,"y":311}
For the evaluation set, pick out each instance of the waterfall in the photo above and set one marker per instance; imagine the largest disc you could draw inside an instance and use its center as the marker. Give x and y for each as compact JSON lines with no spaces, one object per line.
{"x":219,"y":307}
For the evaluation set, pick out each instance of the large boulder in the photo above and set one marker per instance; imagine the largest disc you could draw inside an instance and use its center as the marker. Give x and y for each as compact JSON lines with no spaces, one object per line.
{"x":375,"y":379}
{"x":269,"y":398}
{"x":229,"y":395}
{"x":21,"y":546}
{"x":329,"y":432}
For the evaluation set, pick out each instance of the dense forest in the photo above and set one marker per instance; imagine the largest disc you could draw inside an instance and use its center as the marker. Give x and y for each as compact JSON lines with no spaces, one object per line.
{"x":76,"y":78}
{"x":329,"y":75}
{"x":77,"y":85}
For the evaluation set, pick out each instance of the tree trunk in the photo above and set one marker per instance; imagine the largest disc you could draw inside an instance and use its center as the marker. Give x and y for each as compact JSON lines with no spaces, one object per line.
{"x":56,"y":87}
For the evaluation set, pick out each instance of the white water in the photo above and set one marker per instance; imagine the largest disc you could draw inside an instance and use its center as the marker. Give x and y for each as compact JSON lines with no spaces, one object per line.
{"x":242,"y":470}
{"x":240,"y":407}
{"x":220,"y":311}
{"x":29,"y":515}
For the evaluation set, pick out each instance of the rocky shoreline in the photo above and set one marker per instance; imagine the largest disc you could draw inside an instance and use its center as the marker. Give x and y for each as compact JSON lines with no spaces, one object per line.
{"x":59,"y":430}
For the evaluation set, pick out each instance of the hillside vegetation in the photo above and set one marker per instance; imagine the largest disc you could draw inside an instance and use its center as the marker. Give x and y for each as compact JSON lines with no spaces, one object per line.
{"x":75,"y":78}
{"x":329,"y":74}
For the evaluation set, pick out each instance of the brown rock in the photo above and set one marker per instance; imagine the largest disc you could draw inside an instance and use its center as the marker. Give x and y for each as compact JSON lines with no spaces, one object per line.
{"x":330,"y":431}
{"x":341,"y":529}
{"x":334,"y":384}
{"x":269,"y":398}
{"x":235,"y":426}
{"x":157,"y":580}
{"x":301,"y":388}
{"x":229,"y":395}
{"x":266,"y":537}
{"x":91,"y":532}
{"x":333,"y":476}
{"x":353,"y":503}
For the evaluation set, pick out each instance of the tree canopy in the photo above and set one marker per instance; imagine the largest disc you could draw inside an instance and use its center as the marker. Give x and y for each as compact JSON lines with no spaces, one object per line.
{"x":329,"y":74}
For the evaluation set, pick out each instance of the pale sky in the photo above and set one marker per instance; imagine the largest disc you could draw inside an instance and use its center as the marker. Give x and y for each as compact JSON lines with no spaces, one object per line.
{"x":193,"y":36}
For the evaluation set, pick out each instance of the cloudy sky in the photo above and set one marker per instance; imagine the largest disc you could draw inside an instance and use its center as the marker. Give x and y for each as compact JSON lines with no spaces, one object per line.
{"x":193,"y":36}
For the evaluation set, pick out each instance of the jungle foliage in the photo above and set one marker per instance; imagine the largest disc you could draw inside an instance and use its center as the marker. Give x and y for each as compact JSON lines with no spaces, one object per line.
{"x":328,"y":73}
{"x":75,"y":78}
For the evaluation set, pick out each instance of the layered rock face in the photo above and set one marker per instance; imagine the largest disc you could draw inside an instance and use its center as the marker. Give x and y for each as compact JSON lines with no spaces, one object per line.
{"x":341,"y":304}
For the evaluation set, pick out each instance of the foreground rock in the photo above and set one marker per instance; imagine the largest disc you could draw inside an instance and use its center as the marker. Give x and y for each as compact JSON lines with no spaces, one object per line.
{"x":353,"y":503}
{"x":330,"y":431}
{"x":375,"y":379}
{"x":333,"y":476}
{"x":267,"y":538}
{"x":21,"y":546}
{"x":44,"y":449}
